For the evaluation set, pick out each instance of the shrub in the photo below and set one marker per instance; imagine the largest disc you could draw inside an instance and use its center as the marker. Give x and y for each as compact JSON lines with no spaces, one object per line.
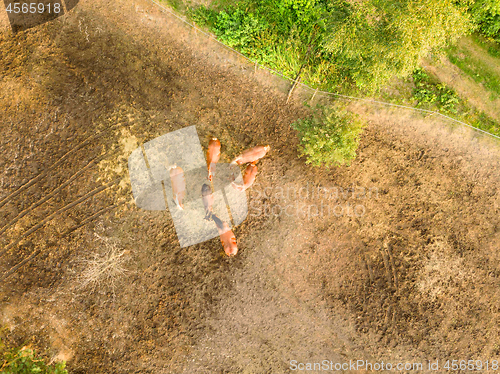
{"x":23,"y":361}
{"x":202,"y":15}
{"x":329,"y":138}
{"x":486,"y":16}
{"x":239,"y":29}
{"x":429,"y":92}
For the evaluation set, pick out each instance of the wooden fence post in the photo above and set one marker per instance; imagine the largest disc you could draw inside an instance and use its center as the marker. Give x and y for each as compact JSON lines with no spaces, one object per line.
{"x":312,"y":98}
{"x":295,"y":82}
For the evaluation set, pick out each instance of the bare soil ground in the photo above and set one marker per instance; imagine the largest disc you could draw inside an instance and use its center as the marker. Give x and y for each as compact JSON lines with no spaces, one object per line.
{"x":416,"y":277}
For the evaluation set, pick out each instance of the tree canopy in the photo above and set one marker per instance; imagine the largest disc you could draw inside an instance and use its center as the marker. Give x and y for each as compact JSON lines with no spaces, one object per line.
{"x":379,"y":39}
{"x":339,"y":43}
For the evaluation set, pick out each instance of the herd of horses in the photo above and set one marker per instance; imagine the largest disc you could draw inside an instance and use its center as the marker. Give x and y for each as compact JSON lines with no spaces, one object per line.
{"x":249,"y":156}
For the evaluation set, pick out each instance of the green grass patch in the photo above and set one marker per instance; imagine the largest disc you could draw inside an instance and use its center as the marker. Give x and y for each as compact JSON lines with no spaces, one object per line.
{"x":491,"y":46}
{"x":477,"y":69}
{"x":178,"y":5}
{"x":482,"y":121}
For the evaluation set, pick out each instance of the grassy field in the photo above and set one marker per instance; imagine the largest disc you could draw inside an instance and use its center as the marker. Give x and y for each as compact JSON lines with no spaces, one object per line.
{"x":469,"y":57}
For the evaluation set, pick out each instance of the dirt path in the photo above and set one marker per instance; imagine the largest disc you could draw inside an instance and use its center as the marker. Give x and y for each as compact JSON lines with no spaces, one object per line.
{"x":415,"y":277}
{"x":480,"y":54}
{"x":450,"y":74}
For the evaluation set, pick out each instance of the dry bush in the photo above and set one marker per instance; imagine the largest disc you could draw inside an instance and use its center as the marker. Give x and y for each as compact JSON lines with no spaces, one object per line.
{"x":104,"y":268}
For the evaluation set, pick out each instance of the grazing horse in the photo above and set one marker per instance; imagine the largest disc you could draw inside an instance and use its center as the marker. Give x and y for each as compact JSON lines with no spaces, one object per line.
{"x":227,"y":237}
{"x":248,"y":178}
{"x":178,"y":185}
{"x":213,"y":155}
{"x":208,"y":200}
{"x":251,"y":155}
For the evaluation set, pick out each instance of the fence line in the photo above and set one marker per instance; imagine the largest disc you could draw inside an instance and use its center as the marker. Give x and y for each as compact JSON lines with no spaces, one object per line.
{"x":297,"y":82}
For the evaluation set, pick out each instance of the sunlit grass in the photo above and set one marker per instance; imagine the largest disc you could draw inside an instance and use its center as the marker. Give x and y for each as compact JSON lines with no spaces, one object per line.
{"x":475,"y":68}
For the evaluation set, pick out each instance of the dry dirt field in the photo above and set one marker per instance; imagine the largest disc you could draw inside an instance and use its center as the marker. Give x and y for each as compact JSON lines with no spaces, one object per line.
{"x":87,"y":277}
